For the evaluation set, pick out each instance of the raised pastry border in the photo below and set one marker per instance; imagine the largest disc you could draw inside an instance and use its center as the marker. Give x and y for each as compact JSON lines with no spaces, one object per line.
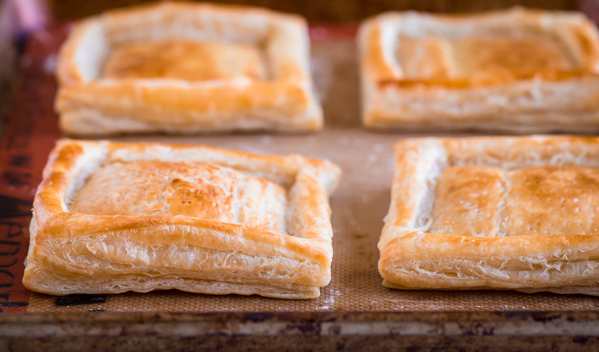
{"x":91,"y":106}
{"x":82,"y":253}
{"x":412,"y":258}
{"x":545,"y":101}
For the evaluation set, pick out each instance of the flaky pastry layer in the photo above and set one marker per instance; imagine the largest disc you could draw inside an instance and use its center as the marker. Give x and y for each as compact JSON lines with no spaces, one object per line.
{"x":494,"y":213}
{"x":188,"y":220}
{"x":132,"y":71}
{"x":516,"y":70}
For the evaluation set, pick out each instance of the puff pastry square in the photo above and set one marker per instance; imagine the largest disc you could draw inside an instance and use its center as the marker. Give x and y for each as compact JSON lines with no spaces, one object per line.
{"x":517,"y":70}
{"x":516,"y":213}
{"x":186,"y":68}
{"x":114,"y":217}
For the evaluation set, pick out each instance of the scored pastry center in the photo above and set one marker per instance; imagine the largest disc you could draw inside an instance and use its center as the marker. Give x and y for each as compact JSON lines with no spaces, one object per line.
{"x":199,"y":190}
{"x":445,"y":58}
{"x":186,"y":60}
{"x":487,"y":201}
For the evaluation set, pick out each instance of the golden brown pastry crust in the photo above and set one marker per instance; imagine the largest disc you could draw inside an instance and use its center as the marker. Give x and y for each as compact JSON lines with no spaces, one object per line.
{"x":280,"y":99}
{"x":494,"y":213}
{"x":516,"y":70}
{"x":153,"y":241}
{"x":185,"y":60}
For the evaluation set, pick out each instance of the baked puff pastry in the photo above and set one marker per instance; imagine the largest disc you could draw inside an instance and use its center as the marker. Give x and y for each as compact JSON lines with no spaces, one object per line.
{"x":115,"y":217}
{"x":518,"y":70}
{"x":516,"y":213}
{"x":186,"y":68}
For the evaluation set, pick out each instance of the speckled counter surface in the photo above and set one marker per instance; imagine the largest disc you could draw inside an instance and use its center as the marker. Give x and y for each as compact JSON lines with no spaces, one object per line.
{"x":354,"y":312}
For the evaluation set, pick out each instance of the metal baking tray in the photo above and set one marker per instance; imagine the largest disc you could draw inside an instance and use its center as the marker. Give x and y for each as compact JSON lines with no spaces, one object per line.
{"x":354,"y":312}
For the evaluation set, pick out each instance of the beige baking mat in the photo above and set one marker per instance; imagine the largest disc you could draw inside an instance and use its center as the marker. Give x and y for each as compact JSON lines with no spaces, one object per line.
{"x":359,"y":206}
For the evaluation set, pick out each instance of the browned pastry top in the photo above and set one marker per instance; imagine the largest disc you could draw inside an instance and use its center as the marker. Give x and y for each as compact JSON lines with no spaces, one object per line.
{"x":488,"y":201}
{"x":445,"y":58}
{"x":199,"y":190}
{"x":187,"y":60}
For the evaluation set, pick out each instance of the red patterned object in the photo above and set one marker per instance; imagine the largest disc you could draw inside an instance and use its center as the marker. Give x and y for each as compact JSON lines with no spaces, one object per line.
{"x":30,"y":133}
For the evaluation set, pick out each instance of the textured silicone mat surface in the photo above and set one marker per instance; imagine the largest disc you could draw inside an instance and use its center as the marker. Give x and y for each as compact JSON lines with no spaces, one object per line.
{"x":359,"y":205}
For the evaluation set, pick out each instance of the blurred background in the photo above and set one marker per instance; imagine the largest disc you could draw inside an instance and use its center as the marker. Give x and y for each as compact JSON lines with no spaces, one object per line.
{"x":19,"y":18}
{"x":325,"y":11}
{"x":28,"y":13}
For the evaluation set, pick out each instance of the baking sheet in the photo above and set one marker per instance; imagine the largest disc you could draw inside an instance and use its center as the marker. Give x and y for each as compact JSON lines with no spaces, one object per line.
{"x":359,"y":204}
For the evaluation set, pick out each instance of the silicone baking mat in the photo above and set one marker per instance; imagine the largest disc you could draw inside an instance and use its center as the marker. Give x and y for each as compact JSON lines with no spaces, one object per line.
{"x":359,"y":204}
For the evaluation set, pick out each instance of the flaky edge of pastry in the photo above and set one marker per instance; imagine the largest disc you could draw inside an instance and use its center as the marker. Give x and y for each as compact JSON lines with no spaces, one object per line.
{"x":89,"y":106}
{"x":544,"y":102}
{"x":412,"y":258}
{"x":81,"y":253}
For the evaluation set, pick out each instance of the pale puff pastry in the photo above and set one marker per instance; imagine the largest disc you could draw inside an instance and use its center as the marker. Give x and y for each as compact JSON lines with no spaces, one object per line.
{"x":115,"y":217}
{"x":186,"y":68}
{"x":516,"y":213}
{"x":516,"y":70}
